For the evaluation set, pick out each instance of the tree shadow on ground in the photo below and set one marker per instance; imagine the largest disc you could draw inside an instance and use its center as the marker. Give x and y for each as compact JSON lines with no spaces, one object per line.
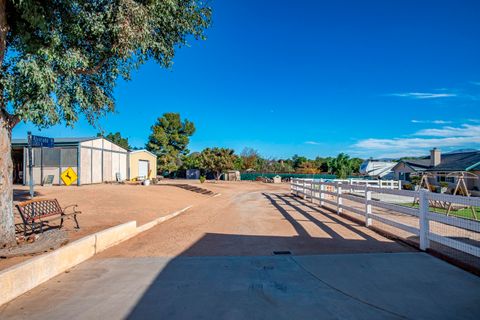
{"x":20,"y":195}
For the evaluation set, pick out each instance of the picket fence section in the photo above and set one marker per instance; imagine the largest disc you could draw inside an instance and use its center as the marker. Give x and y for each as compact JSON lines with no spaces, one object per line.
{"x":333,"y":193}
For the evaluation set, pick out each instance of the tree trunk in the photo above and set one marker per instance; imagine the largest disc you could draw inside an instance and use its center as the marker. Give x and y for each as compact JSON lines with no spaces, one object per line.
{"x":7,"y":227}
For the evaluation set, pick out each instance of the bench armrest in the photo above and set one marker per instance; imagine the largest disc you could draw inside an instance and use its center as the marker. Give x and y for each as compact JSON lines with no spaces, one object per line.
{"x":73,"y":206}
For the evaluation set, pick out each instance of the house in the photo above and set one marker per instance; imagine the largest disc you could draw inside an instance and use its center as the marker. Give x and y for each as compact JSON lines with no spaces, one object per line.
{"x":93,"y":159}
{"x":441,"y":168}
{"x":142,"y":165}
{"x":377,"y":169}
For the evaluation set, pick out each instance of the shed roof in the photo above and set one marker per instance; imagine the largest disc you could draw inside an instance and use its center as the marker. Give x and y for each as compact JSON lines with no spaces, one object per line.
{"x":59,"y":141}
{"x":143,"y":150}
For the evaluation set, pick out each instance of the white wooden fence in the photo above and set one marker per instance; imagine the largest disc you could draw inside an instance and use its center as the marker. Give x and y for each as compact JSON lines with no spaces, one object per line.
{"x":333,"y":193}
{"x":384,"y":184}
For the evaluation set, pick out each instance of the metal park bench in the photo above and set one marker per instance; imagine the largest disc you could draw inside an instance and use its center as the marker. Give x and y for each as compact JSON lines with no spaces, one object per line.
{"x":35,"y":213}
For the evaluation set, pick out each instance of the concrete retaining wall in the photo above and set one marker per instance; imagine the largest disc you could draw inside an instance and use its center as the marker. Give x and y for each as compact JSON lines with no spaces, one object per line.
{"x":29,"y":274}
{"x":25,"y":276}
{"x":112,"y":236}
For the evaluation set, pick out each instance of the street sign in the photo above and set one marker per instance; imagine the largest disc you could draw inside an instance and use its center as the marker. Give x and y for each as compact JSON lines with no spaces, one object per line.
{"x":38,"y":141}
{"x":35,"y":142}
{"x":68,"y":176}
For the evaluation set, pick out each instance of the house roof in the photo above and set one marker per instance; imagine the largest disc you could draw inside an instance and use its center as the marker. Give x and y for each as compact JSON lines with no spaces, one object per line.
{"x":416,"y":164}
{"x":419,"y":164}
{"x":458,"y":161}
{"x":463,"y":161}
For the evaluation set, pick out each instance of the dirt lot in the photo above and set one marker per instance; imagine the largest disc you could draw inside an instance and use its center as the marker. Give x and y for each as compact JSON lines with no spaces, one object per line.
{"x":248,"y":218}
{"x":254,"y":219}
{"x":107,"y":205}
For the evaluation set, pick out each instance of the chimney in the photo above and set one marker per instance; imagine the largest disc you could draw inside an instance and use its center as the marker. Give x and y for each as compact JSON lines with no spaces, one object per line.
{"x":435,"y":157}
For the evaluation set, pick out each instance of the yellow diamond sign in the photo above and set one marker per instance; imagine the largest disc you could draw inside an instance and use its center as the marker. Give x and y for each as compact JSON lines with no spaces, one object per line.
{"x":68,"y":176}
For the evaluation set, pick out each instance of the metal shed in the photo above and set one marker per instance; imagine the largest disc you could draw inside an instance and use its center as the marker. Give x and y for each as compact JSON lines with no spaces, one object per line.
{"x":142,"y":165}
{"x":94,"y":160}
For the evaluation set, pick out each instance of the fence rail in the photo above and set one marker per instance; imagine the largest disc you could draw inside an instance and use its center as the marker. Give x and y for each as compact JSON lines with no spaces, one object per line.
{"x":384,"y":184}
{"x":451,"y":234}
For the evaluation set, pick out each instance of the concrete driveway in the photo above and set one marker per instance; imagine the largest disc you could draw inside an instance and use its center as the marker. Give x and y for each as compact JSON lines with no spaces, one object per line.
{"x":218,"y":261}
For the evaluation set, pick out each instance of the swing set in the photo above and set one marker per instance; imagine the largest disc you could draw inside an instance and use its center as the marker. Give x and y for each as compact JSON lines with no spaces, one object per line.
{"x":460,"y":189}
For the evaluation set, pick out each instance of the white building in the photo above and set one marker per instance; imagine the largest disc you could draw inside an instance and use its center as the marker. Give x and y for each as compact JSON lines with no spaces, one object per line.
{"x":94,"y":160}
{"x":377,"y":169}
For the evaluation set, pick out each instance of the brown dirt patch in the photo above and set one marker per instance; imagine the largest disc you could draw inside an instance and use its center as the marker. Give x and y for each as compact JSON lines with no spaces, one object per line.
{"x":107,"y":205}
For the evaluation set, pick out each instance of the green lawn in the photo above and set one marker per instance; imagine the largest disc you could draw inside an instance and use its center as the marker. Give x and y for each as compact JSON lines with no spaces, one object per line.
{"x":463,"y":213}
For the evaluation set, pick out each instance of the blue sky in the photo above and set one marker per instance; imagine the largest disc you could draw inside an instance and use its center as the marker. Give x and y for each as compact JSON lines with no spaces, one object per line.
{"x":370,"y":78}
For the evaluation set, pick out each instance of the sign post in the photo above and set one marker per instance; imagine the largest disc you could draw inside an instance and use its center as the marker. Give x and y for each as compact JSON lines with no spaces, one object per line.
{"x":35,"y":141}
{"x":30,"y":164}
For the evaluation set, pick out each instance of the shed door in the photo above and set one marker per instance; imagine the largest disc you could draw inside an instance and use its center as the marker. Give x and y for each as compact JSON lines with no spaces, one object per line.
{"x":142,"y":168}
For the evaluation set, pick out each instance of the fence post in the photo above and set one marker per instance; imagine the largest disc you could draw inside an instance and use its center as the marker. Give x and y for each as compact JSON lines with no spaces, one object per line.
{"x":399,"y":184}
{"x":339,"y":199}
{"x":423,"y":221}
{"x":304,"y":194}
{"x":368,"y":207}
{"x":322,"y":195}
{"x":312,"y":191}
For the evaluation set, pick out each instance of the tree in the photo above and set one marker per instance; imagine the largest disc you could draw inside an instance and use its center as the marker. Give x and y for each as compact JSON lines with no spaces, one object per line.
{"x":192,"y":161}
{"x":355,"y":164}
{"x":321,"y":164}
{"x":117,"y":139}
{"x":308,"y":168}
{"x":238,"y":163}
{"x":249,"y":158}
{"x":169,"y":140}
{"x":298,"y":160}
{"x":342,"y":166}
{"x":217,"y":160}
{"x":61,"y":59}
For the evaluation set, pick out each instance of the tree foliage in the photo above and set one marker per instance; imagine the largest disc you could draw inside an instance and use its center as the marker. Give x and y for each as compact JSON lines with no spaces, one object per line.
{"x":62,"y":58}
{"x":217,"y":160}
{"x":192,"y":161}
{"x":117,"y":139}
{"x":249,"y":158}
{"x":169,"y":141}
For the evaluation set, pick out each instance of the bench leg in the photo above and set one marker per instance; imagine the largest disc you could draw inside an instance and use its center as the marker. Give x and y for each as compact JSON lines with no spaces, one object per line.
{"x":33,"y":227}
{"x":61,"y":223}
{"x":76,"y":221}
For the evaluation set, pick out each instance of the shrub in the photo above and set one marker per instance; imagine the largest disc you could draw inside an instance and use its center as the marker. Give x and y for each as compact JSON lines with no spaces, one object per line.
{"x":408,"y":186}
{"x":443,"y":184}
{"x":202,"y":179}
{"x":415,"y":180}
